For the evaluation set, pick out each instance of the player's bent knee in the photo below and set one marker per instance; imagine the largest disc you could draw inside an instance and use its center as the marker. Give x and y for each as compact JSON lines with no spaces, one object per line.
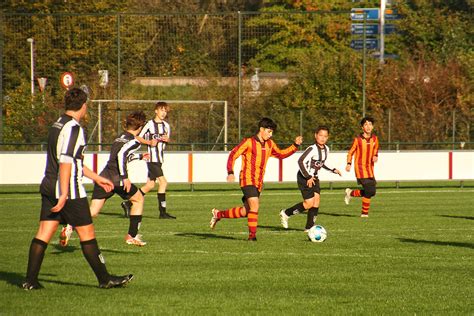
{"x":307,"y":204}
{"x":86,"y":232}
{"x":137,"y":198}
{"x":368,"y":193}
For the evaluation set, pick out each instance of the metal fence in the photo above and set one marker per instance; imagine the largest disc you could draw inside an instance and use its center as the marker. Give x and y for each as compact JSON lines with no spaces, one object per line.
{"x":246,"y":58}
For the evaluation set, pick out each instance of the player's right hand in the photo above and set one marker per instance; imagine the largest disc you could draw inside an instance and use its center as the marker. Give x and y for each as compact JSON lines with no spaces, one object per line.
{"x":348,"y":167}
{"x":59,"y":206}
{"x":230,"y":178}
{"x":310,"y":182}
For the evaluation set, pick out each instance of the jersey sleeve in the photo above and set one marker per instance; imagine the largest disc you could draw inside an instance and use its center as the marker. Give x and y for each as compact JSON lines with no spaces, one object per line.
{"x":352,"y":151}
{"x":304,"y":169}
{"x":145,"y":130}
{"x":283,"y":153}
{"x":235,"y":153}
{"x":67,"y":143}
{"x":124,"y":155}
{"x":168,"y":129}
{"x":324,"y":165}
{"x":376,"y":147}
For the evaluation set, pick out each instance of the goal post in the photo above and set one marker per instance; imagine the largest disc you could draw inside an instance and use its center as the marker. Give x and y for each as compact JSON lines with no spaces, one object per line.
{"x":101,"y":102}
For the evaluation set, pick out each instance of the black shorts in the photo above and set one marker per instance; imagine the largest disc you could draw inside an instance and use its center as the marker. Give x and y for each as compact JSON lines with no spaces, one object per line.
{"x":154,"y":170}
{"x":306,"y":191}
{"x":249,"y":191}
{"x":99,"y":193}
{"x":75,"y":212}
{"x":367,"y":182}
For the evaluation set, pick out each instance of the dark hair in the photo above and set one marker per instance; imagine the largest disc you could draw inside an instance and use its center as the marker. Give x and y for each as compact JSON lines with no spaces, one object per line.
{"x":74,"y":99}
{"x":267,"y":123}
{"x":322,"y":128}
{"x":161,"y":104}
{"x":135,"y":120}
{"x":367,"y":119}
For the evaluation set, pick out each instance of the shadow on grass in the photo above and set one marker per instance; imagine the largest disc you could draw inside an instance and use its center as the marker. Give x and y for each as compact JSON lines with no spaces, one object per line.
{"x":338,"y":215}
{"x":120,"y":215}
{"x":279,"y":228}
{"x":460,"y":217}
{"x":17,"y":279}
{"x":205,"y":236}
{"x":61,"y":250}
{"x":438,"y":243}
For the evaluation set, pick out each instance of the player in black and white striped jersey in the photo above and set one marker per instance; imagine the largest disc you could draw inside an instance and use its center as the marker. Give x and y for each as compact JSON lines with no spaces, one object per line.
{"x":156,"y":135}
{"x":122,"y":152}
{"x":310,"y":162}
{"x":63,"y":196}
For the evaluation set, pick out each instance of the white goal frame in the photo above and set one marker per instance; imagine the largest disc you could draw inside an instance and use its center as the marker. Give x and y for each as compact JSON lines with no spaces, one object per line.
{"x":197,"y":102}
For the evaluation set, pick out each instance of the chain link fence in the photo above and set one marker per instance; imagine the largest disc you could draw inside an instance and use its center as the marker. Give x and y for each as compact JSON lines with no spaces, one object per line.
{"x":297,"y":68}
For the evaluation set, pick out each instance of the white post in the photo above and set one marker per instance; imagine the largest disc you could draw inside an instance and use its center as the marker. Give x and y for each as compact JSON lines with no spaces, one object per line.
{"x":383,"y":4}
{"x":99,"y":132}
{"x":32,"y":63}
{"x":225,"y":125}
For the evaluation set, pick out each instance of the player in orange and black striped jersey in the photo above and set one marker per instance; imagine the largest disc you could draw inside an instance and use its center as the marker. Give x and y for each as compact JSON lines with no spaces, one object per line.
{"x":365,"y":150}
{"x":255,"y":152}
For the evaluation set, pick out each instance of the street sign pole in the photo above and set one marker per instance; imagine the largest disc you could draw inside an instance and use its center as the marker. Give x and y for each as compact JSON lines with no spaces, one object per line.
{"x":383,"y":4}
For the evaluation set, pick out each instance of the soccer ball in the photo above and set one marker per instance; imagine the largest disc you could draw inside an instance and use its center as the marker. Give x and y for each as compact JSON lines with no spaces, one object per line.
{"x":317,"y":233}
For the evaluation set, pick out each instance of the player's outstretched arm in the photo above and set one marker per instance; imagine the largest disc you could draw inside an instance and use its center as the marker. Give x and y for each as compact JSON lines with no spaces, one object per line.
{"x":105,"y":183}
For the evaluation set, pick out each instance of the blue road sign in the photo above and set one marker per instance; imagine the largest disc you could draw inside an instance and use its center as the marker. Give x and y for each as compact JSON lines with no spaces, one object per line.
{"x":391,"y":14}
{"x":357,"y":14}
{"x":389,"y":29}
{"x":370,"y":43}
{"x":370,"y":29}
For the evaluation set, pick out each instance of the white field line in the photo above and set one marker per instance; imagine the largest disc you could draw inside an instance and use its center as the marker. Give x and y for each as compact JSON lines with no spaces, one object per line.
{"x":295,"y":192}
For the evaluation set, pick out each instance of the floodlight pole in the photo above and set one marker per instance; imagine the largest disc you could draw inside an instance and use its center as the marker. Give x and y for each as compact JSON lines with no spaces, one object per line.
{"x":32,"y":63}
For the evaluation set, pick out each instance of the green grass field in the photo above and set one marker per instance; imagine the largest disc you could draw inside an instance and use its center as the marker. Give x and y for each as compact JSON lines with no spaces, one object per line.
{"x":413,"y":255}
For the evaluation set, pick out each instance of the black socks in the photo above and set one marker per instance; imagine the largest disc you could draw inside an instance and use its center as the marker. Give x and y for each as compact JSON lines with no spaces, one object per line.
{"x":35,"y":259}
{"x":91,"y":252}
{"x":134,"y":226}
{"x":295,"y":209}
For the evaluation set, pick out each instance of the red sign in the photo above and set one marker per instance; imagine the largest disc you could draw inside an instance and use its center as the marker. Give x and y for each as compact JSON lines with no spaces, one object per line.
{"x":67,"y":80}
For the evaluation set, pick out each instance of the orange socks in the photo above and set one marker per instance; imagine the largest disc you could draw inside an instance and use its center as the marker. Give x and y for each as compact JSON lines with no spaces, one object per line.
{"x":235,"y":212}
{"x":252,"y":223}
{"x":365,"y":205}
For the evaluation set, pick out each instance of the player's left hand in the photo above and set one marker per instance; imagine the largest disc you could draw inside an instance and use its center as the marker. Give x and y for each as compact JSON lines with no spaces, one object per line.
{"x":375,"y":158}
{"x":299,"y":140}
{"x":105,"y":184}
{"x":127,"y":185}
{"x":165,"y":138}
{"x":310,"y":182}
{"x":59,"y":206}
{"x":338,"y":172}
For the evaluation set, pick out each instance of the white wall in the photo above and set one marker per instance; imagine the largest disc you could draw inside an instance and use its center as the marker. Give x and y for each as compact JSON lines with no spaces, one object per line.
{"x":28,"y":168}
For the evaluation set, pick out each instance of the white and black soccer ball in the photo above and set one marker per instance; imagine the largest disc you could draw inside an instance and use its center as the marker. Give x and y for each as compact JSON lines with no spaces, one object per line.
{"x":317,"y":233}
